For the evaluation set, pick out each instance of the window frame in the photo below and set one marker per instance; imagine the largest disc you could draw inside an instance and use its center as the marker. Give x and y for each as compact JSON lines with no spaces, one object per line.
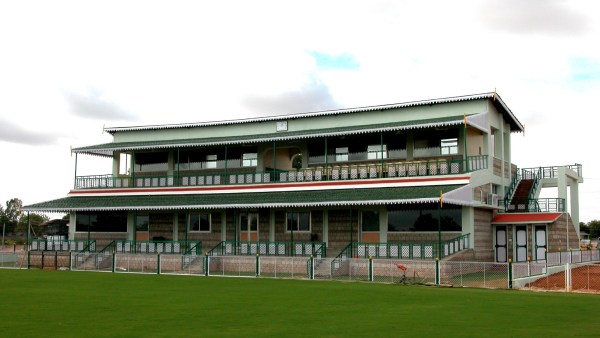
{"x":211,"y":161}
{"x":377,"y":151}
{"x":342,"y":154}
{"x":450,"y":144}
{"x":298,"y":218}
{"x":250,"y":161}
{"x":199,"y":214}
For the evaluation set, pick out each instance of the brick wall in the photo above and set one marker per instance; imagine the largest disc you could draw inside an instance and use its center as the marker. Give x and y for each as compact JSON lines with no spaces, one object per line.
{"x":483,"y":249}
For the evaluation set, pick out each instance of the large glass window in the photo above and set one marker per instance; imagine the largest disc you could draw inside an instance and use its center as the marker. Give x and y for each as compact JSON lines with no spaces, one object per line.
{"x":376,"y":151}
{"x":298,"y":221}
{"x":370,"y":220}
{"x":424,"y":219}
{"x":250,"y":159}
{"x":101,"y":221}
{"x":200,"y":222}
{"x":211,"y":161}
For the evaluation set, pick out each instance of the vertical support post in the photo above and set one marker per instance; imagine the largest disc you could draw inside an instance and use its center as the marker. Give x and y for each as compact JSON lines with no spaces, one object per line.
{"x":437,"y":271}
{"x":559,"y":257}
{"x":370,"y":268}
{"x":510,"y":274}
{"x":326,"y":160}
{"x":70,"y":260}
{"x":114,"y":261}
{"x":570,"y":256}
{"x":382,"y":164}
{"x":3,"y":227}
{"x":465,"y":144}
{"x":28,"y":259}
{"x":133,"y":169}
{"x":293,"y":247}
{"x":312,"y":267}
{"x":28,"y":231}
{"x":274,"y":162}
{"x":55,"y":260}
{"x":158,"y":263}
{"x":225,"y":180}
{"x":75,"y":178}
{"x":440,"y":227}
{"x":351,"y":230}
{"x":177,"y":172}
{"x":206,"y":261}
{"x":528,"y":266}
{"x":257,"y":265}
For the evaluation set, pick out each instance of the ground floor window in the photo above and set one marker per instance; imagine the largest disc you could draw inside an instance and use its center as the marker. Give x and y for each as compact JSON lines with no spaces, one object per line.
{"x":369,"y":220}
{"x":424,"y":218}
{"x":200,"y":222}
{"x":142,"y":222}
{"x":298,"y":221}
{"x":101,"y":221}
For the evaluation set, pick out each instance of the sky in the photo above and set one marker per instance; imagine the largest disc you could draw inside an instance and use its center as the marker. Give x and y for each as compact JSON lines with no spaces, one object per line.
{"x":70,"y":68}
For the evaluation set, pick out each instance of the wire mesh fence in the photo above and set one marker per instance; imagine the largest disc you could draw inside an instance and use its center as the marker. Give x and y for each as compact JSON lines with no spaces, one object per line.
{"x":581,"y":276}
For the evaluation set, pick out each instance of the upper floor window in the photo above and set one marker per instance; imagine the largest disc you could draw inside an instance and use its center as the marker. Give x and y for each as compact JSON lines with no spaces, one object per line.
{"x":376,"y":151}
{"x":298,"y":221}
{"x":200,"y":222}
{"x":449,"y":146}
{"x":249,"y":160}
{"x":341,"y":154}
{"x":211,"y":161}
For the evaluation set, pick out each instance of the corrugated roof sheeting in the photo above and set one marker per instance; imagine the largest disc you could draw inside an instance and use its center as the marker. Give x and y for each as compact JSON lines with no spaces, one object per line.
{"x":345,"y":197}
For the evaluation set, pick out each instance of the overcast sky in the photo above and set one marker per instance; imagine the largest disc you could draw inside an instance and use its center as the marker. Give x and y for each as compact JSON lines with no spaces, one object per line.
{"x":68,"y":68}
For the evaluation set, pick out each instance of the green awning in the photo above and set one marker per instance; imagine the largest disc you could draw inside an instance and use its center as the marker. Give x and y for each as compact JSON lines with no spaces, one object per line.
{"x":107,"y":149}
{"x":341,"y":197}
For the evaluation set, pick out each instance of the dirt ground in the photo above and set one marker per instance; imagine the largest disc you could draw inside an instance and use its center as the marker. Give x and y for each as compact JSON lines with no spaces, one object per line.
{"x":583,"y":279}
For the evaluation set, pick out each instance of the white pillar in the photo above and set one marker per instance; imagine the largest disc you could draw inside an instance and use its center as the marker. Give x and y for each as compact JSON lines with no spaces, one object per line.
{"x":72,"y":224}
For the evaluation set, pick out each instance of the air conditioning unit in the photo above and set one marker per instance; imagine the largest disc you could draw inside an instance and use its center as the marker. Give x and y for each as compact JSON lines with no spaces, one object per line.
{"x":492,"y":199}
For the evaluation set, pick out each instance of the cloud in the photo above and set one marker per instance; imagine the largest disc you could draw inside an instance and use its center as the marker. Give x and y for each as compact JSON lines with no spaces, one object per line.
{"x":541,"y":17}
{"x":94,"y":105}
{"x":13,"y":133}
{"x":313,"y":96}
{"x":343,"y":61}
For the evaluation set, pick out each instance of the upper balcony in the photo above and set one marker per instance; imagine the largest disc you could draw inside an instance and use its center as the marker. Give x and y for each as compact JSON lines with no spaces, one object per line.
{"x":236,"y":174}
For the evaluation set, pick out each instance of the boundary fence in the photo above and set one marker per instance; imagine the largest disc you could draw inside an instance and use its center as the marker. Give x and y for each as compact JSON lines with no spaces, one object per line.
{"x":561,"y":271}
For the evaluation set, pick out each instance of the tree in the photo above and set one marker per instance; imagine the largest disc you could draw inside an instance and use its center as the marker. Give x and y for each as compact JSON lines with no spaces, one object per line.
{"x":594,"y":228}
{"x":36,"y":220}
{"x":11,"y":214}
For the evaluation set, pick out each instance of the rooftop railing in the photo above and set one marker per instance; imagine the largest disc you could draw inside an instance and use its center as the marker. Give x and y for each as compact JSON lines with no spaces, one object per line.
{"x":333,"y":172}
{"x":536,"y":205}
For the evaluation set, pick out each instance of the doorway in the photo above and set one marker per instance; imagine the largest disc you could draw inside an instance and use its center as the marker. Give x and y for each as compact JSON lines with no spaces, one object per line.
{"x":248,"y":226}
{"x":501,"y":244}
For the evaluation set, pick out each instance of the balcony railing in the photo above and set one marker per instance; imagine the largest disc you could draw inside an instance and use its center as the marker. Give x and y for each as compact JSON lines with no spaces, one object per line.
{"x":332,"y":172}
{"x":536,"y":205}
{"x":293,"y":249}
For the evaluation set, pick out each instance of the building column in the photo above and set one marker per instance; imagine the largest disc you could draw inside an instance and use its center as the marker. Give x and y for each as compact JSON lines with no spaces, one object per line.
{"x":325,"y":226}
{"x":175,"y":226}
{"x":130,"y":225}
{"x":224,"y":225}
{"x":272,"y":225}
{"x":72,"y":225}
{"x":468,"y":224}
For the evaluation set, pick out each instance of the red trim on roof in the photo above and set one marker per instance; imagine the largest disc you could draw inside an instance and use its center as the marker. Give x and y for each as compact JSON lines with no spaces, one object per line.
{"x":526,"y":218}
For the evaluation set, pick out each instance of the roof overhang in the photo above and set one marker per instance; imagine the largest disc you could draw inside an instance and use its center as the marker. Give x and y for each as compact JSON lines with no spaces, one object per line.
{"x":107,"y":149}
{"x":526,"y":218}
{"x":275,"y":199}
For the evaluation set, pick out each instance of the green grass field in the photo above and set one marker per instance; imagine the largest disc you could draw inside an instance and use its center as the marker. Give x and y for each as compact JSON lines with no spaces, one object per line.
{"x":36,"y":303}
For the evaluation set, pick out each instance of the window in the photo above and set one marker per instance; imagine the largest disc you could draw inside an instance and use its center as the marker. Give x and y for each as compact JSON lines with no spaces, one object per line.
{"x":449,"y":146}
{"x":370,"y":220}
{"x":101,"y":222}
{"x":124,"y":163}
{"x":298,"y":221}
{"x":375,"y":151}
{"x":249,"y":160}
{"x":142,"y":222}
{"x":211,"y":161}
{"x":200,"y":222}
{"x":415,"y":219}
{"x":341,"y":154}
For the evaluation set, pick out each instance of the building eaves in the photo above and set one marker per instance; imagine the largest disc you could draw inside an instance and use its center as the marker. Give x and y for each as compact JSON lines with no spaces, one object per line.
{"x":107,"y":148}
{"x":282,"y":199}
{"x":498,"y":102}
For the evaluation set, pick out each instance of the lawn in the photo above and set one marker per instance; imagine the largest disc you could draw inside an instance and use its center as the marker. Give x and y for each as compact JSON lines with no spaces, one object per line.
{"x":38,"y":303}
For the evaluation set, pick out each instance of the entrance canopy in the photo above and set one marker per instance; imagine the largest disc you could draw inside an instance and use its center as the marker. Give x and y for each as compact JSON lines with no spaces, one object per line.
{"x":526,"y":218}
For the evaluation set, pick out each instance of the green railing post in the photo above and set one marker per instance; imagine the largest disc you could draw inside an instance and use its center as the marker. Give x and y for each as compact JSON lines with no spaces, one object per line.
{"x":437,"y":271}
{"x":55,"y":260}
{"x":43,"y":259}
{"x":70,"y":260}
{"x":510,"y":281}
{"x":114,"y":261}
{"x":257,"y":265}
{"x":28,"y":259}
{"x":370,"y":268}
{"x":206,"y":259}
{"x":312,"y":267}
{"x":158,"y":263}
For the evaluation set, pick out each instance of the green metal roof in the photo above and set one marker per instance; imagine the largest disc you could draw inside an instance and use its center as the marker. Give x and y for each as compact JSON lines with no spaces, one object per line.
{"x":107,"y":149}
{"x":366,"y":196}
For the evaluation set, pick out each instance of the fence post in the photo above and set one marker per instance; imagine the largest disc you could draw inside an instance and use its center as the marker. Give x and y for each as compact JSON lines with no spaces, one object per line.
{"x":510,"y":281}
{"x":206,"y":258}
{"x":158,"y":264}
{"x":114,"y":261}
{"x":370,"y":268}
{"x":70,"y":260}
{"x":257,"y":265}
{"x":437,"y":271}
{"x":559,"y":257}
{"x":312,"y":267}
{"x":570,"y":256}
{"x":528,"y":266}
{"x":568,"y":277}
{"x":55,"y":260}
{"x":43,"y":259}
{"x":28,"y":259}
